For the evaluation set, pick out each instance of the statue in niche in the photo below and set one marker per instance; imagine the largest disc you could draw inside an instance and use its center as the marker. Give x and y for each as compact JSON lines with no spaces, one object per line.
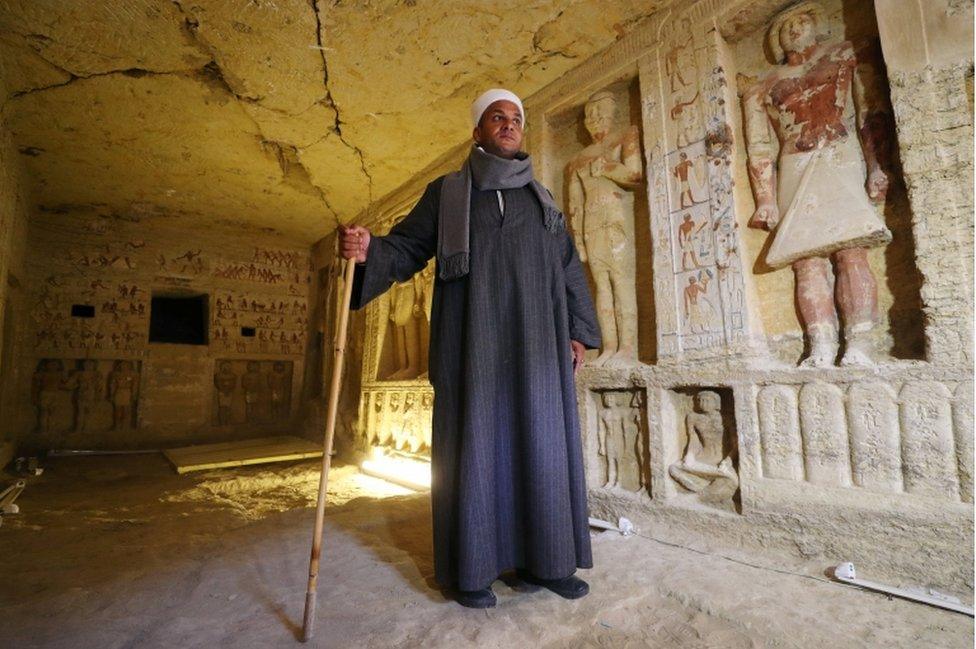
{"x":406,"y":338}
{"x":278,"y":384}
{"x":597,"y":178}
{"x":89,"y":385}
{"x":225,"y":381}
{"x":817,"y":197}
{"x":254,"y":384}
{"x":48,"y":381}
{"x":704,"y":468}
{"x":618,"y":439}
{"x":123,"y":387}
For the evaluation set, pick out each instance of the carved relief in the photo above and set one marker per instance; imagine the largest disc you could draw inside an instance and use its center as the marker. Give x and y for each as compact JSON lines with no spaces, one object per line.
{"x":89,"y":386}
{"x":872,"y":413}
{"x":962,"y":421}
{"x":779,"y":425}
{"x":398,"y":419}
{"x":814,"y":194}
{"x":48,"y":381}
{"x":928,"y":447}
{"x":123,"y":389}
{"x":252,"y":392}
{"x":706,"y":466}
{"x":619,"y":439}
{"x":825,"y":447}
{"x":599,"y":180}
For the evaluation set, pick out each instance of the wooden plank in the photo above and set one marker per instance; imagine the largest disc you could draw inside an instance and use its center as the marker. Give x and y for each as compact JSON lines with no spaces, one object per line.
{"x":240,"y":453}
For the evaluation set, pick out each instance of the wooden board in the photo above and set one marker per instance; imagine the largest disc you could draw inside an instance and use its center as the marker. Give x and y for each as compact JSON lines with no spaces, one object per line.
{"x":240,"y":453}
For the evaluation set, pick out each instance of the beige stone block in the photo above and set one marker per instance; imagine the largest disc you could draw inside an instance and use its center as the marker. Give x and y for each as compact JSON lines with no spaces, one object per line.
{"x":872,"y":415}
{"x":962,"y":424}
{"x":779,"y":425}
{"x":928,"y":448}
{"x":826,"y":454}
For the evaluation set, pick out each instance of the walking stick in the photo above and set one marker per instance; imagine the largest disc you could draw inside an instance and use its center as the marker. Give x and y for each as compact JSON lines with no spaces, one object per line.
{"x":308,"y":622}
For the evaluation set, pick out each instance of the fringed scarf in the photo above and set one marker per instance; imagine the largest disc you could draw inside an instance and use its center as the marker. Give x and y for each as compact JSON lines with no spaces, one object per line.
{"x":486,"y":172}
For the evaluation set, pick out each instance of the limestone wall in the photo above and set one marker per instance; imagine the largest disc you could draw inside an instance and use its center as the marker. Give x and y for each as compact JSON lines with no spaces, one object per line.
{"x":107,"y":270}
{"x":13,"y":243}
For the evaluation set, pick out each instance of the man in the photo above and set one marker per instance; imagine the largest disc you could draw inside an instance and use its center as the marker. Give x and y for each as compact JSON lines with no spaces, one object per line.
{"x":511,"y":318}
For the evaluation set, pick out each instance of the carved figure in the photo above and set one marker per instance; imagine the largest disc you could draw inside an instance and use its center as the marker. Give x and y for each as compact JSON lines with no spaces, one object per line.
{"x":123,"y":387}
{"x":699,"y":312}
{"x":604,"y":225}
{"x":815,"y":195}
{"x":610,"y":437}
{"x":278,"y":383}
{"x":685,"y":171}
{"x":225,"y":381}
{"x":48,"y":381}
{"x":254,"y":384}
{"x":406,"y":339}
{"x":703,"y":466}
{"x":89,"y":385}
{"x":686,"y":242}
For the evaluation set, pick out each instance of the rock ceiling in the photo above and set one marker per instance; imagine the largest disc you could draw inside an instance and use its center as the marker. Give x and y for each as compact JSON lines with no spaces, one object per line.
{"x":282,"y":114}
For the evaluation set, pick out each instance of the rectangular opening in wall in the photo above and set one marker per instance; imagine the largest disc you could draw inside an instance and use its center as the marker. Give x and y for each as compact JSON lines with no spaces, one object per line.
{"x":247,"y":332}
{"x":179,"y":319}
{"x":82,"y":311}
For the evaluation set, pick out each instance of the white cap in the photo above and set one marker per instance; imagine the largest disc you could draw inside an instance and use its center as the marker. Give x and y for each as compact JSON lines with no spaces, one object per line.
{"x":482,"y":103}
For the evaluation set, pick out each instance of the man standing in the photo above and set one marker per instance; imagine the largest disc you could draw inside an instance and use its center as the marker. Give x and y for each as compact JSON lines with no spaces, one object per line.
{"x":511,"y":318}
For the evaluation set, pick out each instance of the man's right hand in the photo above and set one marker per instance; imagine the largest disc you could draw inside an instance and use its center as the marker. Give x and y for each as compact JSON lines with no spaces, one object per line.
{"x":353,"y":242}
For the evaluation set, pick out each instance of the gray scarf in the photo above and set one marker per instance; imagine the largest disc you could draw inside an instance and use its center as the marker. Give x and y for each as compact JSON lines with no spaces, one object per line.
{"x":486,"y":172}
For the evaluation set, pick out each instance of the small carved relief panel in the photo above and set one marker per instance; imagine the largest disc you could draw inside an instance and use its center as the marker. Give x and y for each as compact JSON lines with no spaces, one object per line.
{"x":252,"y":392}
{"x":83,"y":396}
{"x":621,"y":458}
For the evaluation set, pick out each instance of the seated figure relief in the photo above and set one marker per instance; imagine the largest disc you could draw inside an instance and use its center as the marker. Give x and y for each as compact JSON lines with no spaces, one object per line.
{"x":705,"y":468}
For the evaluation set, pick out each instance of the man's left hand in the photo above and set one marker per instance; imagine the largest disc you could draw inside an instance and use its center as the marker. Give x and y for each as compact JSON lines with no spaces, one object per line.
{"x":578,"y":351}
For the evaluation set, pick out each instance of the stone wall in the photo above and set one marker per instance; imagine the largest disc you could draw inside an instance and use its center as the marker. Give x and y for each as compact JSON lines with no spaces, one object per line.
{"x":717,"y":433}
{"x":13,"y":244}
{"x":92,"y":279}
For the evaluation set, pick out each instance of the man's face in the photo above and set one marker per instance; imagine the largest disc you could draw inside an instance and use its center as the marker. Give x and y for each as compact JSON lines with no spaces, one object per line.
{"x":797,"y":33}
{"x":598,"y":117}
{"x":500,"y":130}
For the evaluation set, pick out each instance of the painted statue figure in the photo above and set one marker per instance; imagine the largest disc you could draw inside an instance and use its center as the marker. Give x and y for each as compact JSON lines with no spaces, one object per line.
{"x":704,"y":462}
{"x":89,"y":386}
{"x":818,"y":193}
{"x":598,"y":177}
{"x":225,"y":381}
{"x":48,"y":381}
{"x":278,"y":384}
{"x":254,"y":383}
{"x":123,"y":387}
{"x":406,"y":335}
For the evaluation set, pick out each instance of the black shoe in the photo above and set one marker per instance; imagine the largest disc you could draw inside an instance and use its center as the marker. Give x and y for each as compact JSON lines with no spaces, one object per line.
{"x":571,"y":587}
{"x":483,"y":598}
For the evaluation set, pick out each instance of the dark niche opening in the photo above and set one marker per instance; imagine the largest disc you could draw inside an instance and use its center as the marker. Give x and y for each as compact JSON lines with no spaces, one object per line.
{"x":247,"y":332}
{"x":180,"y":319}
{"x":82,"y":311}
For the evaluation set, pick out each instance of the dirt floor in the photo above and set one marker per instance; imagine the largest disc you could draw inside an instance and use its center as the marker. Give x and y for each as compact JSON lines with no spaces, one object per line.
{"x":114,"y":552}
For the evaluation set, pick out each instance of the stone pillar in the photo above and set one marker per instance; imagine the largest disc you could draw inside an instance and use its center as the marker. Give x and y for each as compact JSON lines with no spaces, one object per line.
{"x":928,"y":51}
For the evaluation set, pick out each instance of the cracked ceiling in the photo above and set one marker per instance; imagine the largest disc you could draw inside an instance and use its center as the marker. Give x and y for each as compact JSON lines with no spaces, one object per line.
{"x":282,"y":114}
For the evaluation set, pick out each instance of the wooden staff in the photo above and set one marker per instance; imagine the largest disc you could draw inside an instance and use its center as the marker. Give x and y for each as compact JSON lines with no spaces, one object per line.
{"x":308,"y":623}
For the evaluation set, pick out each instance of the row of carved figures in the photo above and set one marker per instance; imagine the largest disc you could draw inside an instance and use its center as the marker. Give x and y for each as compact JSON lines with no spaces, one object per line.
{"x":399,"y":419}
{"x":918,"y":441}
{"x":264,"y":388}
{"x":89,"y":388}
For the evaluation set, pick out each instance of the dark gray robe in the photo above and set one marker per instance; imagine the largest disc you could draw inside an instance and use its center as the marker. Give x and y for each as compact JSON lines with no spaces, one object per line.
{"x":507,"y":487}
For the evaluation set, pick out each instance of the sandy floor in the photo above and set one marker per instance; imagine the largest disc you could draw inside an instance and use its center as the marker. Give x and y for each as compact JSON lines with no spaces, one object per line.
{"x":121,"y":552}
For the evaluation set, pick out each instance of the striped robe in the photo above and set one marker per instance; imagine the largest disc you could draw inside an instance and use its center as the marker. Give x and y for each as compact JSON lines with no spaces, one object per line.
{"x":507,"y":484}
